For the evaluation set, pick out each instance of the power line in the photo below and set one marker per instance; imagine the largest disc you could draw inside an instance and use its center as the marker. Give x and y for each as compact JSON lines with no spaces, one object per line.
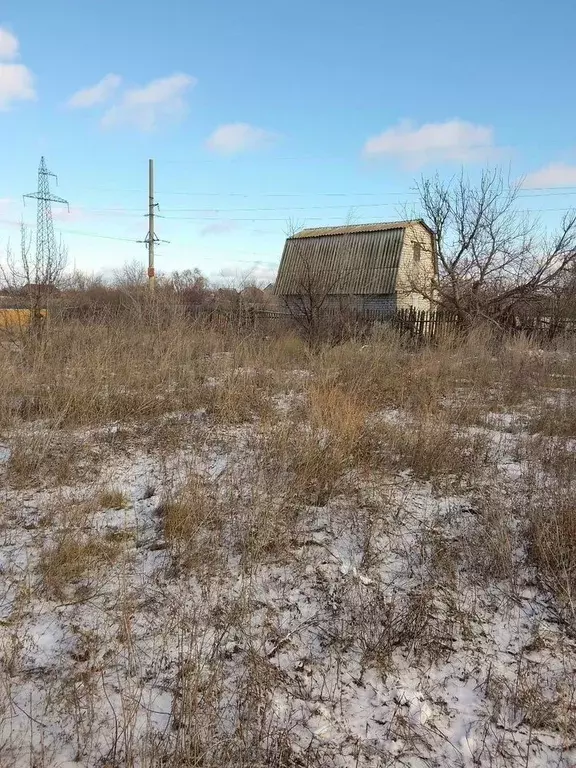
{"x":258,"y":260}
{"x":287,"y":194}
{"x":221,"y":214}
{"x":549,"y":194}
{"x":73,"y":232}
{"x":319,"y":218}
{"x":526,"y":192}
{"x":210,"y":160}
{"x":249,"y":194}
{"x":249,"y":218}
{"x":134,"y":211}
{"x":315,"y":207}
{"x":280,"y":208}
{"x":130,"y":212}
{"x":94,"y":234}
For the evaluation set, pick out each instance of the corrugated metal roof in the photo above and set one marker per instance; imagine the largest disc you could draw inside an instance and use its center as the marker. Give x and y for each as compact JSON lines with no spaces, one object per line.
{"x":361,"y":259}
{"x":353,"y":228}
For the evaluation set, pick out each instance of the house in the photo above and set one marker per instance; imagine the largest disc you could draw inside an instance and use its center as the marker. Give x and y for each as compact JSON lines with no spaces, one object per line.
{"x":384,"y":266}
{"x":271,"y":300}
{"x":38,"y":289}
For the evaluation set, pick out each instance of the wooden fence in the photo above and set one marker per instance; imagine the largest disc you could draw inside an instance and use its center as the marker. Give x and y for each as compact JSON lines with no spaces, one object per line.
{"x":435,"y":325}
{"x":426,"y":326}
{"x":335,"y":324}
{"x":418,"y":325}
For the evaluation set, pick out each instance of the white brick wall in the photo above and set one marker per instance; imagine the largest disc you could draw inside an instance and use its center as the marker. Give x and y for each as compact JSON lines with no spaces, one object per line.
{"x":414,"y":276}
{"x":380,"y":303}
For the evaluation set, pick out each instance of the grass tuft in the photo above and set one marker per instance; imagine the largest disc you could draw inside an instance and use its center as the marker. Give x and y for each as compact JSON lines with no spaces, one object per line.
{"x":74,"y":557}
{"x":113,"y":498}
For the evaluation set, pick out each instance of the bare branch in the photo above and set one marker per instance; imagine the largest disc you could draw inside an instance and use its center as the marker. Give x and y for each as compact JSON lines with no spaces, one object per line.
{"x":491,"y":256}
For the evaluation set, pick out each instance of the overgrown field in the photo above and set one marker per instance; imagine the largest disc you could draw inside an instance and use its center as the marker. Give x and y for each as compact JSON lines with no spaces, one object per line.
{"x":224,"y":551}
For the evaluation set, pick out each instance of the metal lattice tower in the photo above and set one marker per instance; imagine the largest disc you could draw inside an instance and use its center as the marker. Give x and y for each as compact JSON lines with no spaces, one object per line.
{"x":45,"y":240}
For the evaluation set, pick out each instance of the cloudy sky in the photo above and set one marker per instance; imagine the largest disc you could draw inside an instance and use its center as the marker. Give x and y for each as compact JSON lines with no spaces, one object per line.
{"x":264,"y":115}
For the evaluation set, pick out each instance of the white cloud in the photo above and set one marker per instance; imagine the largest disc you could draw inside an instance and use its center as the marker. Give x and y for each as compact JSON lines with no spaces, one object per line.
{"x":9,"y":45}
{"x":553,"y":175}
{"x":453,"y":140}
{"x":259,"y":274}
{"x":96,"y":94}
{"x":146,"y":107}
{"x":221,"y":227}
{"x":16,"y":80}
{"x":263,"y":275}
{"x":6,"y":203}
{"x":8,"y":213}
{"x":16,"y":84}
{"x":71,"y":216}
{"x":239,"y":137}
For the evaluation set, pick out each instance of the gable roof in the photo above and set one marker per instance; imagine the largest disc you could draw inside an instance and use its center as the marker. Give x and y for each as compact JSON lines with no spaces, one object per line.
{"x":347,"y":229}
{"x":360,"y":259}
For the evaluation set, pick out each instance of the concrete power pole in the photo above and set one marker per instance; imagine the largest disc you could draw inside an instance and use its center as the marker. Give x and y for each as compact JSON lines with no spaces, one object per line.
{"x":151,"y":238}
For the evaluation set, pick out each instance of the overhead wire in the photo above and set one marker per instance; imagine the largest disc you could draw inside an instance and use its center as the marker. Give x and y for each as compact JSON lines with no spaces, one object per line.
{"x":219,"y":213}
{"x":134,"y":212}
{"x":525,"y":192}
{"x":139,"y":242}
{"x":74,"y":232}
{"x":314,"y":218}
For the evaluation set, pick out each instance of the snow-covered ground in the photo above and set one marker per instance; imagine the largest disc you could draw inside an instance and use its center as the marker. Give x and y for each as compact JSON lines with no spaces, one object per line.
{"x":400,"y":624}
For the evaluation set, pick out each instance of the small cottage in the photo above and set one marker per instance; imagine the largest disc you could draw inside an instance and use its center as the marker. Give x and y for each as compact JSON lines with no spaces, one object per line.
{"x":384,"y":266}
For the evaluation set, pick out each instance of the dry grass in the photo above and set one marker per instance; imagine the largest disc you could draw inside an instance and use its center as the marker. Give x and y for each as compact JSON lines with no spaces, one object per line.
{"x":113,"y":498}
{"x":549,"y":462}
{"x":552,"y":547}
{"x":531,"y":699}
{"x":239,"y":396}
{"x":433,"y":448}
{"x":382,"y":373}
{"x":123,"y":371}
{"x":315,"y":465}
{"x":72,"y":559}
{"x":156,"y":362}
{"x":556,"y":419}
{"x":312,"y":525}
{"x":50,"y":459}
{"x":323,"y":446}
{"x":191,"y":524}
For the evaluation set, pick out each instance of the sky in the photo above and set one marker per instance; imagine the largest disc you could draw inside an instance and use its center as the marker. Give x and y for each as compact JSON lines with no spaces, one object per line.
{"x":263,"y":116}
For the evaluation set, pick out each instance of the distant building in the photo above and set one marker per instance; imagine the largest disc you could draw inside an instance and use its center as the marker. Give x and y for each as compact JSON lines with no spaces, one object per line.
{"x":272,"y":301}
{"x":384,"y":266}
{"x":38,"y":289}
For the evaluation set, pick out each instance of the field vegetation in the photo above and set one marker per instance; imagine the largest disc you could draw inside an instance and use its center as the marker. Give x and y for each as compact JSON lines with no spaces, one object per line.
{"x":222,"y":548}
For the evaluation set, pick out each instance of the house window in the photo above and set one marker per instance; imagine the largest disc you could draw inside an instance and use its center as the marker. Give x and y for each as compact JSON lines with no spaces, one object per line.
{"x":417,"y":251}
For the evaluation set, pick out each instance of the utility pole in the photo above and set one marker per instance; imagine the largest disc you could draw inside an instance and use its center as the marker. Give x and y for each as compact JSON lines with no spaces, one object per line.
{"x":151,"y":238}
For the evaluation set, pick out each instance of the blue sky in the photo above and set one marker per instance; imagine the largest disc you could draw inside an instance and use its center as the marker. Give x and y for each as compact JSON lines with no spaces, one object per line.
{"x":260,"y":112}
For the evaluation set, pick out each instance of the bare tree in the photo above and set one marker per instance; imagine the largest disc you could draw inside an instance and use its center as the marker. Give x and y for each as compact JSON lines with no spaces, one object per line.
{"x":313,"y":286}
{"x":190,"y":286}
{"x":130,"y":277}
{"x":492,"y":257}
{"x":32,"y":278}
{"x":563,"y":303}
{"x":83,"y":282}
